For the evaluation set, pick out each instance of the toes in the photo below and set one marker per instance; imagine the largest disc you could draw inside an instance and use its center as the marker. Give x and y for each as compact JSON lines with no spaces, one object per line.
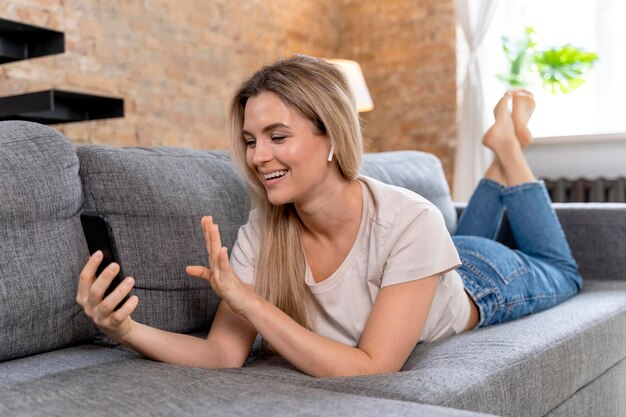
{"x":524,"y":96}
{"x":502,"y":105}
{"x":524,"y":93}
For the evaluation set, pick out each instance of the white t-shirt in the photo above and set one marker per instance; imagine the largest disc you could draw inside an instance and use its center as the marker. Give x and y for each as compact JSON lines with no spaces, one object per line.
{"x":402,"y":237}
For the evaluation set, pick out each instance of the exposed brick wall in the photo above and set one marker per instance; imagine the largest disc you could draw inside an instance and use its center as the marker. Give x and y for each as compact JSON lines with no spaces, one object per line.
{"x":177,"y":63}
{"x":407,"y":51}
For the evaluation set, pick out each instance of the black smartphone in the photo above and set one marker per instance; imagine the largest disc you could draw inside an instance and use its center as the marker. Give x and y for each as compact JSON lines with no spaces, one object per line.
{"x":99,"y":236}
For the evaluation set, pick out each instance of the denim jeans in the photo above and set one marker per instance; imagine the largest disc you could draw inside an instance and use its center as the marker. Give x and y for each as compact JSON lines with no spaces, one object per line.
{"x":509,"y":283}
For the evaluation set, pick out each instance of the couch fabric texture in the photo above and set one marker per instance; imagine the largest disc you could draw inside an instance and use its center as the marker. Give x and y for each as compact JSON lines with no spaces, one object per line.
{"x":154,"y":199}
{"x":41,"y":242}
{"x":568,"y":360}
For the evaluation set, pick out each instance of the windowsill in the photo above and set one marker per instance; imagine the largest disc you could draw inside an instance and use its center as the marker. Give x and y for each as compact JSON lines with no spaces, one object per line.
{"x":579,"y":139}
{"x":578,"y":156}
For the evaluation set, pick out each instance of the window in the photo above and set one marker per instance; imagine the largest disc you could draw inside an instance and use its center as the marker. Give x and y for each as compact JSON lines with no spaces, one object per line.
{"x":596,"y":108}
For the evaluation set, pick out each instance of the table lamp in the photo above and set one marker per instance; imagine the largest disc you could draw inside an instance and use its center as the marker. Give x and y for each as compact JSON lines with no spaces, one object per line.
{"x":352,"y":71}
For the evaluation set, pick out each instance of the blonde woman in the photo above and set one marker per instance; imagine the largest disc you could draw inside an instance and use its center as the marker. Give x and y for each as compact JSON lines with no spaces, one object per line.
{"x":342,"y":274}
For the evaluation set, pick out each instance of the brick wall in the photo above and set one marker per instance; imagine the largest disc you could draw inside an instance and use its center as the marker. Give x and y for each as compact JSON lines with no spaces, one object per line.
{"x":407,"y":51}
{"x":177,"y":63}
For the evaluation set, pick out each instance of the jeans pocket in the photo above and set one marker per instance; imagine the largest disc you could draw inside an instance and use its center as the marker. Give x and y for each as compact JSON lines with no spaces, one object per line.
{"x":491,"y":258}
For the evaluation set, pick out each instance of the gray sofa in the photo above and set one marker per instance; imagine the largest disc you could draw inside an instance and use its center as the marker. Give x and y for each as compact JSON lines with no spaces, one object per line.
{"x":567,"y":361}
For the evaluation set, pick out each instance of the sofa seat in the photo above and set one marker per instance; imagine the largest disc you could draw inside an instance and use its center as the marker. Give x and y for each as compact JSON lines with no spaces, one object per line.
{"x":604,"y":396}
{"x":44,"y":365}
{"x":98,"y":381}
{"x":525,"y":367}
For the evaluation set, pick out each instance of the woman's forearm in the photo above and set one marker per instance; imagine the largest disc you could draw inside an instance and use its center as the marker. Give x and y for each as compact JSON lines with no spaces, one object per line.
{"x":311,"y":353}
{"x":175,"y":348}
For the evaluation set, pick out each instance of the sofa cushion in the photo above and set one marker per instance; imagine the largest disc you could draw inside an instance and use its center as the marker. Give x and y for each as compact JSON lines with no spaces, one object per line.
{"x":604,"y":396}
{"x":101,"y":381}
{"x":154,"y":199}
{"x":32,"y":368}
{"x":417,"y":171}
{"x":516,"y":368}
{"x":42,"y":248}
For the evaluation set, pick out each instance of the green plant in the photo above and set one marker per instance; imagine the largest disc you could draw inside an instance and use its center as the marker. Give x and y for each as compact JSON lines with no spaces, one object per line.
{"x":560,"y":69}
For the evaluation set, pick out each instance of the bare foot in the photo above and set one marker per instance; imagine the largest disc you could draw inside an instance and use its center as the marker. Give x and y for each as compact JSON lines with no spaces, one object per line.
{"x":523,"y":106}
{"x":502,"y":133}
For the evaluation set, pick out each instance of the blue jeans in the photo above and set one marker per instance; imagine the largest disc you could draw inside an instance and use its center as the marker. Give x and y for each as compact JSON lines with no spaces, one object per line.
{"x":509,"y":283}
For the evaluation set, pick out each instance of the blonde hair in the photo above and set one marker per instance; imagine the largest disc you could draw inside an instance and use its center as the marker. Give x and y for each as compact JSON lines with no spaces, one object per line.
{"x":318,"y":90}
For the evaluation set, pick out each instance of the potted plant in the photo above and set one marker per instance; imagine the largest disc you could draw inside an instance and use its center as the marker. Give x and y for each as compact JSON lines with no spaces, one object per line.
{"x":560,"y":69}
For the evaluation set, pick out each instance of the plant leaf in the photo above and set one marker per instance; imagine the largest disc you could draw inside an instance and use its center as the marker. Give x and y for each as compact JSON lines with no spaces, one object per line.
{"x":517,"y":52}
{"x":563,"y":69}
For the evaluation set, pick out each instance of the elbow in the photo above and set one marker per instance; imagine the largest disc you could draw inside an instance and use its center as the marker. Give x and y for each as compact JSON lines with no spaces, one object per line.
{"x":336,"y":373}
{"x":235,"y":363}
{"x":215,"y":356}
{"x":365,"y":365}
{"x":372,"y":370}
{"x":232,"y":366}
{"x":232,"y":362}
{"x":224,"y":363}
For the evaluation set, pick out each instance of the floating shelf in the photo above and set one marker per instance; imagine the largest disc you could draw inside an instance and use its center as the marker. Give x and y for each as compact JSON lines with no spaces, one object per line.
{"x":19,"y":41}
{"x":56,"y":106}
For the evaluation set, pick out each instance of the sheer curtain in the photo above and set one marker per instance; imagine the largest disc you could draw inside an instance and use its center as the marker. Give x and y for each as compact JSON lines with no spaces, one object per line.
{"x":474,"y":17}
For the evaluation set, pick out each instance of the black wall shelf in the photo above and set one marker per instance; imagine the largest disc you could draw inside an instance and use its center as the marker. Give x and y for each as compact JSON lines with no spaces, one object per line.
{"x":19,"y":41}
{"x":57,"y":106}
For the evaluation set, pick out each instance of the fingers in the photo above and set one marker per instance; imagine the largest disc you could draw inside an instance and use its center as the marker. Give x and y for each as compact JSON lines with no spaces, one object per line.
{"x":224,"y":265}
{"x":202,"y":272}
{"x":126,"y":310}
{"x":223,"y":280}
{"x":216,"y":244}
{"x":198,"y":271}
{"x":212,"y":239}
{"x":88,"y":275}
{"x":91,"y":290}
{"x":103,"y":314}
{"x":99,"y":287}
{"x":206,"y":223}
{"x":112,"y":300}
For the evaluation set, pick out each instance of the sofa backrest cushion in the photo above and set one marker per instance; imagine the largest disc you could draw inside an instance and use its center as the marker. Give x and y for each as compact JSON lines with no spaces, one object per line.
{"x":154,"y":199}
{"x":417,"y":171}
{"x":42,"y":248}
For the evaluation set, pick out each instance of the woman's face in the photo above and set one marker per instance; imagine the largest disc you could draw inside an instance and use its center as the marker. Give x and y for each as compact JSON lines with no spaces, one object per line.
{"x":285,"y":150}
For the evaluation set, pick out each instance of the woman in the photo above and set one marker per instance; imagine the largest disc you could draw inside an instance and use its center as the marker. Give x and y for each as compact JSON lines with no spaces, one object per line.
{"x":342,"y":274}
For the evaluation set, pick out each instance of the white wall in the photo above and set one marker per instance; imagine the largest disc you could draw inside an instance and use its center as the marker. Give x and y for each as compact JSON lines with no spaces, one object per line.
{"x":574,"y":157}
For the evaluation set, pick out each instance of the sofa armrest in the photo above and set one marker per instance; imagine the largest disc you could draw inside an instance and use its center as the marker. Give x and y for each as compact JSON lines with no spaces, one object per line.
{"x":596,"y":233}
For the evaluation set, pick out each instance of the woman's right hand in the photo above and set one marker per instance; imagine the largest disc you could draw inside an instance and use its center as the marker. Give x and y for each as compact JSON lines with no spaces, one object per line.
{"x":91,"y":289}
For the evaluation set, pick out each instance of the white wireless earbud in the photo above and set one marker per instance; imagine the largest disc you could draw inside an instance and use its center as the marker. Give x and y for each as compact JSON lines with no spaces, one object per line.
{"x":330,"y":154}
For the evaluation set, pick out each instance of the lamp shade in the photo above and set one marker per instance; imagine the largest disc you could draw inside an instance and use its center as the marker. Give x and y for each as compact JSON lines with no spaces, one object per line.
{"x":352,"y":71}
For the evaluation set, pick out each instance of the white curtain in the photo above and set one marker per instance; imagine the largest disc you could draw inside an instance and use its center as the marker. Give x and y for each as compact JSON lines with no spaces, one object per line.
{"x":472,"y":158}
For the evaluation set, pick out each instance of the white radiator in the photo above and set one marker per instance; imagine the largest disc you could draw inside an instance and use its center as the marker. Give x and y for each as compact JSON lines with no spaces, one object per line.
{"x":583,"y":190}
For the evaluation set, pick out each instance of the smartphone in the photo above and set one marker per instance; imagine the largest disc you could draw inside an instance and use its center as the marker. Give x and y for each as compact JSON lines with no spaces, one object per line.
{"x":99,"y":236}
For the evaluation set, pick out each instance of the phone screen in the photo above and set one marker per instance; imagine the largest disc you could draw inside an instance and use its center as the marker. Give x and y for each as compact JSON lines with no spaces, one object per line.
{"x":99,"y":236}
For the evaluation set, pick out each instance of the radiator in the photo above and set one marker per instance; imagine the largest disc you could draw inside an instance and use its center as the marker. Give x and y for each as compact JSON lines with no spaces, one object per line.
{"x":583,"y":190}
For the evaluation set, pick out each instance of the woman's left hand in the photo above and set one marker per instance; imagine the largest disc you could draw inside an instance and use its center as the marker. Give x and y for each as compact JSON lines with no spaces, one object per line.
{"x":223,"y":280}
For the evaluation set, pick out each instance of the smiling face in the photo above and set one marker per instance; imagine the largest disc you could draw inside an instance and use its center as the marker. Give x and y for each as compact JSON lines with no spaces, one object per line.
{"x":285,"y":150}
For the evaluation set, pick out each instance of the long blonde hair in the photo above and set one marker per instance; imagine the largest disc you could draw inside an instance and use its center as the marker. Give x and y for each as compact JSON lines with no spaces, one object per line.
{"x":318,"y":90}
